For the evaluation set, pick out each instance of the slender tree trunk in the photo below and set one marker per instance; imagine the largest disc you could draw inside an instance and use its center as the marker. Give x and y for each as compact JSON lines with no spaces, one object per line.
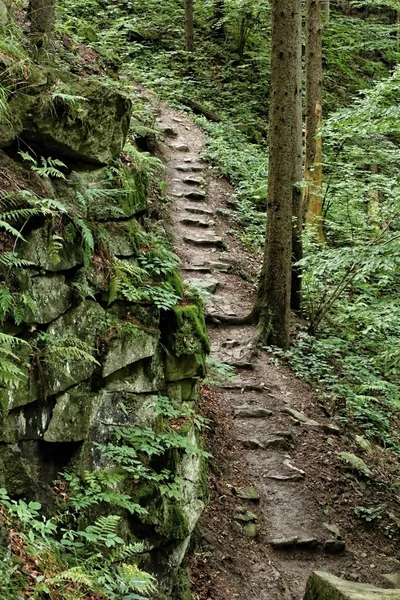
{"x":219,"y":14}
{"x":326,"y":10}
{"x":43,"y":19}
{"x":273,"y":301}
{"x":313,"y":158}
{"x":297,"y":224}
{"x":189,"y":25}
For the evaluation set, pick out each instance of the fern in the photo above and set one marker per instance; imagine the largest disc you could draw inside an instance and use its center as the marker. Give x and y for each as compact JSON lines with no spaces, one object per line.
{"x":6,"y":301}
{"x":11,"y":260}
{"x":87,"y":240}
{"x":11,"y":374}
{"x":57,"y":349}
{"x":47,"y":167}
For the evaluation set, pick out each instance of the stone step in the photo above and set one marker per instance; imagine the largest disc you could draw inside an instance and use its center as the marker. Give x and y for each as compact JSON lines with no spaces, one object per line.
{"x":180,"y":147}
{"x":193,"y":222}
{"x":199,"y":210}
{"x":220,"y":266}
{"x":208,"y":285}
{"x":195,"y":269}
{"x":188,"y":168}
{"x":193,"y":181}
{"x":206,"y":242}
{"x":274,"y":442}
{"x":296,"y":542}
{"x":252,"y":412}
{"x":197,"y":196}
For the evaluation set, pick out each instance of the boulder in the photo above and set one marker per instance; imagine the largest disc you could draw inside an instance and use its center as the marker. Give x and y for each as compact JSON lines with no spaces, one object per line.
{"x":183,"y":367}
{"x":51,"y":295}
{"x":122,"y":352}
{"x":142,"y":377}
{"x":324,"y":586}
{"x":84,"y":322}
{"x":91,"y":127}
{"x":71,"y":415}
{"x":28,"y":422}
{"x":103,"y":200}
{"x":17,"y":475}
{"x":37,"y":248}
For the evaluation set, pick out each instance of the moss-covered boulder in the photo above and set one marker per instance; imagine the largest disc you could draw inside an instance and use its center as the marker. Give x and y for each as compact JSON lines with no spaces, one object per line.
{"x":183,"y":367}
{"x":324,"y":586}
{"x":51,"y":296}
{"x":193,"y":471}
{"x":72,"y":415}
{"x":106,"y":197}
{"x":184,"y":330}
{"x":142,"y":377}
{"x":80,"y":119}
{"x":84,"y":322}
{"x":17,"y":475}
{"x":39,"y":249}
{"x":127,"y":350}
{"x":27,"y":422}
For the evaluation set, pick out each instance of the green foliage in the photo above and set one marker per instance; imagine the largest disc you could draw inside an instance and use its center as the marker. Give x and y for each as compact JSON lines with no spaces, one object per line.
{"x":71,"y":563}
{"x":219,"y":373}
{"x":148,"y":280}
{"x":11,"y":374}
{"x":46,"y":167}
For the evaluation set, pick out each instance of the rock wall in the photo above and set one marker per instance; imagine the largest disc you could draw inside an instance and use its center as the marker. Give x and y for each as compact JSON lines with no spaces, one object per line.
{"x":131,"y":352}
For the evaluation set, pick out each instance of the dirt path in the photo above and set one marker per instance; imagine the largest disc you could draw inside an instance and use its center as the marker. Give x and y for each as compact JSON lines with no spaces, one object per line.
{"x":268,"y":429}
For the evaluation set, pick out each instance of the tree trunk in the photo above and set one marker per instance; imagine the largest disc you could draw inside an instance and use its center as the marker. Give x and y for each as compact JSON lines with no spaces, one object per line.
{"x":219,"y":14}
{"x":273,"y":300}
{"x":189,"y":25}
{"x":326,"y":10}
{"x":313,"y":158}
{"x":43,"y":19}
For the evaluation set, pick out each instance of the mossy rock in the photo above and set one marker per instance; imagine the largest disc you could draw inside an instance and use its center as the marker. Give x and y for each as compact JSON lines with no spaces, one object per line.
{"x":184,"y":367}
{"x":125,"y":351}
{"x":193,"y":471}
{"x":27,"y":423}
{"x":71,"y":416}
{"x":356,"y":463}
{"x":37,"y":249}
{"x":17,"y":475}
{"x":142,"y":377}
{"x":324,"y":586}
{"x":120,"y":238}
{"x":184,"y":330}
{"x":91,"y":129}
{"x":29,"y":389}
{"x":105,"y":200}
{"x":84,"y":322}
{"x":51,"y":296}
{"x":4,"y":17}
{"x":185,"y":390}
{"x":111,"y":409}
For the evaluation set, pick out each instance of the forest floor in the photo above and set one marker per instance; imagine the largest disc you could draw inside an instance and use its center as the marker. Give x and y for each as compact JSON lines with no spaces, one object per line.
{"x":267,"y":429}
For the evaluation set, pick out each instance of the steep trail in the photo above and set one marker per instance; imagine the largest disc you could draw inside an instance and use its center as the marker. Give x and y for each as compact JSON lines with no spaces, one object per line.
{"x":281,"y":441}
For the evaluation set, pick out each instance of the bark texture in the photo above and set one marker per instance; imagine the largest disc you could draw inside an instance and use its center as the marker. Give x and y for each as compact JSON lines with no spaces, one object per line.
{"x":313,"y":158}
{"x":189,"y":25}
{"x":43,"y":18}
{"x":273,"y":302}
